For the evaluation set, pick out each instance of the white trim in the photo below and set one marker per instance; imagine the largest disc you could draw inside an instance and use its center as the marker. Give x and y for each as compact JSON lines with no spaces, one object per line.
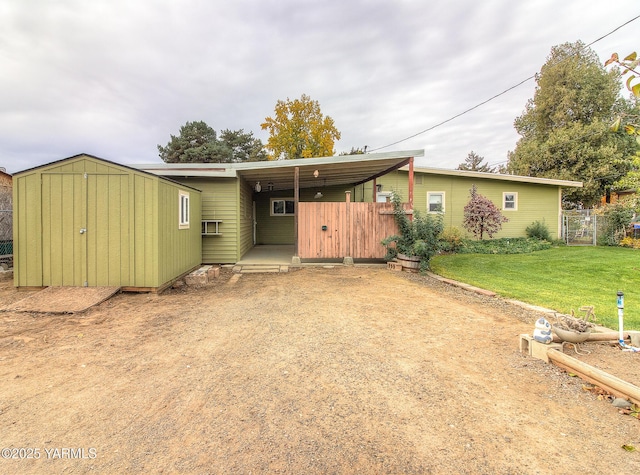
{"x":184,"y":209}
{"x":272,"y":200}
{"x":434,"y":193}
{"x":514,"y":201}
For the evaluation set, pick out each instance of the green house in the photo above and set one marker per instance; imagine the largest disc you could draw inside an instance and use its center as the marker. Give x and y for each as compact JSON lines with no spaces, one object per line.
{"x":252,"y":204}
{"x":522,"y":200}
{"x":85,"y":221}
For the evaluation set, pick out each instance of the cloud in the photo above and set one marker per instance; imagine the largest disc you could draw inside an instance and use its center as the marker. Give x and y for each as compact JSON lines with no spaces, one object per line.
{"x":115,"y":78}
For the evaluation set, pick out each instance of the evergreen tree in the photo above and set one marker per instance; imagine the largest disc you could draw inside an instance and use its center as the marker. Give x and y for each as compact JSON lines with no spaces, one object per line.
{"x":564,"y":128}
{"x":199,"y":143}
{"x":473,"y":163}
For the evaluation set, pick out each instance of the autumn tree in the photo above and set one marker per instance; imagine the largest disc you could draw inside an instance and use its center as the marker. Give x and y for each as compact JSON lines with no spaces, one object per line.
{"x":481,"y":215}
{"x":628,"y":121}
{"x":298,"y":129}
{"x":564,"y":128}
{"x":199,"y":143}
{"x":473,"y":163}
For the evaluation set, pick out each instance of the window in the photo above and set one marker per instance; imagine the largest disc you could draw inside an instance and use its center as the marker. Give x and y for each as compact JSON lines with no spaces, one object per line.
{"x":509,"y":201}
{"x":183,"y":209}
{"x":282,"y":207}
{"x":435,"y":201}
{"x":384,"y":196}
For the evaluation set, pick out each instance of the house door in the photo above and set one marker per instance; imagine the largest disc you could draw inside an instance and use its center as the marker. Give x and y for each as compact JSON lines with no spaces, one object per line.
{"x":85,"y":222}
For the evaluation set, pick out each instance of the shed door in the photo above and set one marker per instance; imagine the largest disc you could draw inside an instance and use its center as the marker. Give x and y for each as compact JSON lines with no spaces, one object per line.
{"x":85,"y":225}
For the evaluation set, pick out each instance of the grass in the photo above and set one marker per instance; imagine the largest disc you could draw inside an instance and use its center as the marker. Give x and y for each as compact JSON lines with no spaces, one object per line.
{"x":561,"y":278}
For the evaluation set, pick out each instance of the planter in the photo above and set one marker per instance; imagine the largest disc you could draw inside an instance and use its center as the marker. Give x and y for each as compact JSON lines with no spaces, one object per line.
{"x":571,"y":336}
{"x":409,"y":263}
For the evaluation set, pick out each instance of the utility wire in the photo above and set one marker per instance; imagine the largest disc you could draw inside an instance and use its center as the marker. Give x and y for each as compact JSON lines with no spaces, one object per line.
{"x":497,"y":95}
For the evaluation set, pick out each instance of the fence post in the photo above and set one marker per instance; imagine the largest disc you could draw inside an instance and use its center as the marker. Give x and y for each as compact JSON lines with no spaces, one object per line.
{"x":348,"y":260}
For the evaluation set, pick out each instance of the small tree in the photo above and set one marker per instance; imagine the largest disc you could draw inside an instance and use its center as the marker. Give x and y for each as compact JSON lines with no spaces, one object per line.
{"x":482,"y":216}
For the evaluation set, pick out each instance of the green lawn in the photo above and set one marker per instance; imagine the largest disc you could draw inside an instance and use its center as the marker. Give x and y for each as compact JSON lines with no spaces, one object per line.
{"x":561,"y":279}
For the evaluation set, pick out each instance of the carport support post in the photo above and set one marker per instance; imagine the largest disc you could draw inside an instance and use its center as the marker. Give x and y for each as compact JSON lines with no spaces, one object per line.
{"x":295,"y":260}
{"x":348,"y":260}
{"x":411,"y":187}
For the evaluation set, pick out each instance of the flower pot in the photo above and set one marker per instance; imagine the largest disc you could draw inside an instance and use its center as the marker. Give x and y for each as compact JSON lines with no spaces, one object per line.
{"x":571,"y":336}
{"x":409,"y":263}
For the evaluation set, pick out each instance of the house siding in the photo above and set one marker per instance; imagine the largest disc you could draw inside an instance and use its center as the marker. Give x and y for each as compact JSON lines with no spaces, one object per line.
{"x":219,"y":201}
{"x":536,"y":202}
{"x":245,"y":218}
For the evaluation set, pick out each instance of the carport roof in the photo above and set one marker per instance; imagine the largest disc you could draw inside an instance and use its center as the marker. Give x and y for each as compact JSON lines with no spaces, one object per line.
{"x":336,"y":170}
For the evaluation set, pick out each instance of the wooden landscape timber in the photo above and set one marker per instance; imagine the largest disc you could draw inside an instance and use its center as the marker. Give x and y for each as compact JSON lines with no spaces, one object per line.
{"x":609,"y":383}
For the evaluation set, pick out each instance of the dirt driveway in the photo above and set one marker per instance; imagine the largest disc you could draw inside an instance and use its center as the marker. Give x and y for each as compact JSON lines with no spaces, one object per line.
{"x":343,"y":370}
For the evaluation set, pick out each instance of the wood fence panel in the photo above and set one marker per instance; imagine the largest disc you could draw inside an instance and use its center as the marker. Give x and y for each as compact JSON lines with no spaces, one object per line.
{"x":368,"y":224}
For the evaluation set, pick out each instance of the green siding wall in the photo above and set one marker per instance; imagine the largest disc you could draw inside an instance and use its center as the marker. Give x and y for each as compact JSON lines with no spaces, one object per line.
{"x":121,"y":210}
{"x":181,"y":248}
{"x":219,"y":201}
{"x":536,"y":202}
{"x":245,"y":218}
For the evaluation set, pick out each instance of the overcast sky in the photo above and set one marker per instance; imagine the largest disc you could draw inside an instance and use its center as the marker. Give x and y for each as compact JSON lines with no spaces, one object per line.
{"x":114,"y":78}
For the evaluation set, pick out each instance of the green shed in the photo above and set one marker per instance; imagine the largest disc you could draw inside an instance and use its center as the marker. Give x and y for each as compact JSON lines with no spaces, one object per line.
{"x":85,"y":221}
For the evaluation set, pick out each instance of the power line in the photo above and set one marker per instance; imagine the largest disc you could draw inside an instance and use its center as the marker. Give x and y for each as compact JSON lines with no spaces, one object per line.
{"x":439,"y":124}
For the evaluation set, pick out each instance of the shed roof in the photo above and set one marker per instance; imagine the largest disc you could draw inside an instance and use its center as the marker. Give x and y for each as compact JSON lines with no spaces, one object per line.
{"x":336,"y":170}
{"x":93,"y":157}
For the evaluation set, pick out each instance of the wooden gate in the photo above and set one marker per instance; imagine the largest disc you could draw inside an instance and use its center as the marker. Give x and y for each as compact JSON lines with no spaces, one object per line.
{"x":338,"y":230}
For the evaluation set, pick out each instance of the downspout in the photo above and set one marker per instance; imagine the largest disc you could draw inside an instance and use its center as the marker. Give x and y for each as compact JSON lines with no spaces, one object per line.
{"x":411,"y":188}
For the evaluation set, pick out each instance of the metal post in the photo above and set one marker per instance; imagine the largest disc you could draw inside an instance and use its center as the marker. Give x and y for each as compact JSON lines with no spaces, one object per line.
{"x":620,"y":316}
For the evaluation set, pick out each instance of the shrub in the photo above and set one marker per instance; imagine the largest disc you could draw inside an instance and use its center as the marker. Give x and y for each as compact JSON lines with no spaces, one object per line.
{"x":417,"y":237}
{"x":450,"y":239}
{"x":481,"y":215}
{"x":618,"y":218}
{"x":503,"y":246}
{"x":630,"y":242}
{"x":539,"y":230}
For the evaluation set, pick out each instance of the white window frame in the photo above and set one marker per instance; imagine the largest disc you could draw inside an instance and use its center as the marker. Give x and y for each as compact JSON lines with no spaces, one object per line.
{"x":284,"y":200}
{"x":183,"y":209}
{"x":384,"y":196}
{"x":435,"y":193}
{"x":514,"y":201}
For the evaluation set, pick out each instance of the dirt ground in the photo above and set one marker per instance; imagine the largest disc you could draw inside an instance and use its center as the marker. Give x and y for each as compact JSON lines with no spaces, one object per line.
{"x":316,"y":371}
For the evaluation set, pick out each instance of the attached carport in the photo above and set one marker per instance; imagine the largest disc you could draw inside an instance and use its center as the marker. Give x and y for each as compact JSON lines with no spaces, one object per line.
{"x":258,"y":182}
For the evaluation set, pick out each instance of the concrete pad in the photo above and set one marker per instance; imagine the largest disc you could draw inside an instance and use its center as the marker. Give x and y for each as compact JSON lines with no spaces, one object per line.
{"x":63,"y":299}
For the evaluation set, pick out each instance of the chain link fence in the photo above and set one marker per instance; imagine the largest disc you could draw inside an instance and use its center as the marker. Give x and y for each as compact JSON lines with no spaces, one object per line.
{"x":582,"y":227}
{"x":6,"y":227}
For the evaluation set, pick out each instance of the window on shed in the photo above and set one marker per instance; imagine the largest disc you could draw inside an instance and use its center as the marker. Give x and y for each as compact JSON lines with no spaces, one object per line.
{"x":435,"y":201}
{"x":510,"y":201}
{"x":183,"y":219}
{"x":282,"y":206}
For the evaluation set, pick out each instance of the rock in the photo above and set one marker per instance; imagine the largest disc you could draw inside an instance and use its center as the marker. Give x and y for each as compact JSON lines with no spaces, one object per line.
{"x":621,"y":403}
